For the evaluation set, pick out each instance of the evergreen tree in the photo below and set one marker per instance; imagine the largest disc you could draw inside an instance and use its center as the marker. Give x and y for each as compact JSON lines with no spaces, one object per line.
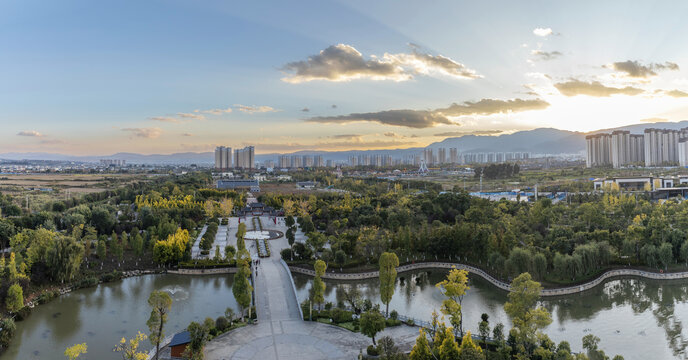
{"x":421,"y":350}
{"x":15,"y":298}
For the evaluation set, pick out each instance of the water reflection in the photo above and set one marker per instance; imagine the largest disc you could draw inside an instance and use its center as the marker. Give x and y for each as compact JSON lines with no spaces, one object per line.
{"x":102,"y":315}
{"x":636,"y":318}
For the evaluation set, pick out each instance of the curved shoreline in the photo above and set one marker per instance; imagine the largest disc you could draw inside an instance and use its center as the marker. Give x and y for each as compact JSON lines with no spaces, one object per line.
{"x":500,"y":284}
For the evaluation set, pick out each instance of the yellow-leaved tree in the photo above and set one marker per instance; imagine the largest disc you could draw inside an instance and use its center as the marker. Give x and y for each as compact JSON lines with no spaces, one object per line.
{"x":454,"y":287}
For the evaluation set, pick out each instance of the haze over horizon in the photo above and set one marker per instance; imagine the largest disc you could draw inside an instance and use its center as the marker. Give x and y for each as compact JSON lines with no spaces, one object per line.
{"x":84,"y":78}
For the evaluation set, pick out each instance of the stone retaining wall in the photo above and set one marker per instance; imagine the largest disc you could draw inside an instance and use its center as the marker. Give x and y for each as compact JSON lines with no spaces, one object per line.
{"x":230,"y":270}
{"x":500,"y":284}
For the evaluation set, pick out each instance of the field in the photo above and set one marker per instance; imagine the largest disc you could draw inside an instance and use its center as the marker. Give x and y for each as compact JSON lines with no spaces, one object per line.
{"x":40,"y":188}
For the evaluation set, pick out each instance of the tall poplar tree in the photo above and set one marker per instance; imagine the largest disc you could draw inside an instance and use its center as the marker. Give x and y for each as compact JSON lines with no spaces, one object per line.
{"x":388,"y":277}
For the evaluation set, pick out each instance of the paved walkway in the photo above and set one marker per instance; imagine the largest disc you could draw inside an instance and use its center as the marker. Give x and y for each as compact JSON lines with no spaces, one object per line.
{"x":500,"y":284}
{"x":281,"y":334}
{"x":195,"y":249}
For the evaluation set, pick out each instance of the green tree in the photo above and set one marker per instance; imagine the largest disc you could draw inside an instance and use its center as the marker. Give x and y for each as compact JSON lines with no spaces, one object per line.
{"x":218,"y":255}
{"x":684,"y":251}
{"x":198,"y":334}
{"x":242,"y":287}
{"x":64,"y":259}
{"x":137,"y":245}
{"x":318,"y":284}
{"x":455,"y":287}
{"x":124,"y":240}
{"x":666,"y":255}
{"x":484,"y":328}
{"x":102,"y":219}
{"x":289,"y":221}
{"x":522,"y":308}
{"x":372,"y":322}
{"x":15,"y":298}
{"x":230,"y":251}
{"x":116,"y":248}
{"x":160,"y":303}
{"x":388,"y":277}
{"x":101,"y":250}
{"x":340,"y":257}
{"x":421,"y":350}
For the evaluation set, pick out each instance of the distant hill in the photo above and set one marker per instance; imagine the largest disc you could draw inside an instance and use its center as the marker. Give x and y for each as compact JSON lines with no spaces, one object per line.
{"x":539,"y":141}
{"x":536,"y":141}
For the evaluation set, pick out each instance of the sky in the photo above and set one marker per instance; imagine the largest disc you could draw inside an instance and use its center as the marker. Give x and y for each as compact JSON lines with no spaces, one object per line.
{"x":96,"y":78}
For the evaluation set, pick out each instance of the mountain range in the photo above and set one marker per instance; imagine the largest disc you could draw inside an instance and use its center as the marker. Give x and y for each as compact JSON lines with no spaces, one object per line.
{"x":537,"y":141}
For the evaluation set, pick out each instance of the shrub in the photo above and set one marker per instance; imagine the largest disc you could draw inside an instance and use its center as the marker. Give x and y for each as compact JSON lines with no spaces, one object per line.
{"x":221,"y":323}
{"x":372,"y":351}
{"x":285,"y":254}
{"x":86,"y":282}
{"x":328,"y":306}
{"x":392,"y":322}
{"x":113,"y":276}
{"x":410,"y":322}
{"x":7,"y":328}
{"x":393,"y":315}
{"x":339,"y":316}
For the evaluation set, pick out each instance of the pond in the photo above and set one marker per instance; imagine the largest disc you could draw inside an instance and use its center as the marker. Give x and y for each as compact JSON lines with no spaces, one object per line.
{"x":635,"y":318}
{"x":100,"y":316}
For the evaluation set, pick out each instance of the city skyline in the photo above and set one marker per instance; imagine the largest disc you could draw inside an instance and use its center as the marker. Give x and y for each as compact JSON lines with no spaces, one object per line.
{"x":180,"y":76}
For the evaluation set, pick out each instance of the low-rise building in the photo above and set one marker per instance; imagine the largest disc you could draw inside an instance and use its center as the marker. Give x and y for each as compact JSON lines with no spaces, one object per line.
{"x":237,"y":184}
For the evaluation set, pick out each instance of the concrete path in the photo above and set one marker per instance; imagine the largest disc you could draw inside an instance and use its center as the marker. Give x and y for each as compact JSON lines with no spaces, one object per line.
{"x":281,"y":334}
{"x":195,"y":249}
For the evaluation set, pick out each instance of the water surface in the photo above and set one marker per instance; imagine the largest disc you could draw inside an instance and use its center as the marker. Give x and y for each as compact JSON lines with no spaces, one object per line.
{"x":636,"y":318}
{"x":102,"y":315}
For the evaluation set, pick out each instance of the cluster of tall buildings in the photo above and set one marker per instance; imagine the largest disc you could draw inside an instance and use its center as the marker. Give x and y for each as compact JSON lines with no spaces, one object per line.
{"x":378,"y":160}
{"x":243,"y":158}
{"x":300,"y":161}
{"x":113,"y":162}
{"x":455,"y":157}
{"x":655,"y":147}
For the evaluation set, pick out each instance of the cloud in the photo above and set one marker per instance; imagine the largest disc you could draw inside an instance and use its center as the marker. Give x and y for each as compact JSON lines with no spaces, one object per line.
{"x":187,"y":134}
{"x":343,"y":62}
{"x":546,"y":55}
{"x":148,"y":133}
{"x":475,"y":132}
{"x":252,"y":109}
{"x":345,"y":137}
{"x":334,"y":106}
{"x":494,"y":106}
{"x":543,"y":32}
{"x":216,"y":111}
{"x":31,"y":133}
{"x":191,"y":116}
{"x":305,"y":109}
{"x":595,"y":88}
{"x":677,"y":93}
{"x":419,"y":119}
{"x":635,"y":69}
{"x":409,"y":118}
{"x":390,"y":134}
